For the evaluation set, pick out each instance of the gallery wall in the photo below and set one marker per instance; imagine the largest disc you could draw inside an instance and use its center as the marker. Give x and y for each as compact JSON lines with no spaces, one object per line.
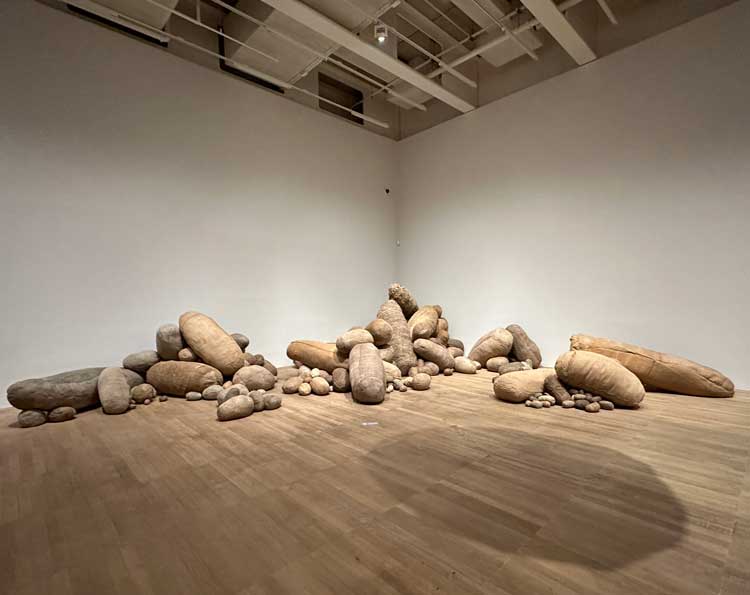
{"x":612,"y":200}
{"x":135,"y":186}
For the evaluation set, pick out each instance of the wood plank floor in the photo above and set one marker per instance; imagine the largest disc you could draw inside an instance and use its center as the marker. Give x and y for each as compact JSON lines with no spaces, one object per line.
{"x":451,"y":491}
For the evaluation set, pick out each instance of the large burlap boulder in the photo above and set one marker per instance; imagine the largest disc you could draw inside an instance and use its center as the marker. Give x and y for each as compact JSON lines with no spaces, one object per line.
{"x":255,"y":377}
{"x":423,"y":323}
{"x":236,"y":407}
{"x":516,"y":387}
{"x":353,"y":337}
{"x":435,"y":353}
{"x":179,"y":378}
{"x":114,"y":391}
{"x":600,"y":375}
{"x":523,"y":347}
{"x":401,"y":345}
{"x":211,"y":343}
{"x":381,"y":332}
{"x":659,"y":371}
{"x":76,"y":389}
{"x":403,"y":298}
{"x":496,"y":343}
{"x":315,"y":354}
{"x":366,"y":374}
{"x":141,"y":361}
{"x":168,"y":341}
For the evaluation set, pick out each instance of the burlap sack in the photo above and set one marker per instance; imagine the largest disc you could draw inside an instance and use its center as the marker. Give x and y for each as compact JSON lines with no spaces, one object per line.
{"x":179,"y":378}
{"x":433,"y":352}
{"x":255,"y":377}
{"x":660,"y":371}
{"x":77,"y":388}
{"x":366,"y":374}
{"x":381,"y":332}
{"x":403,"y":298}
{"x":211,"y":343}
{"x":516,"y":387}
{"x":523,"y":347}
{"x":401,"y":344}
{"x":497,"y":342}
{"x":114,"y":391}
{"x":315,"y":354}
{"x":600,"y":375}
{"x":423,"y":323}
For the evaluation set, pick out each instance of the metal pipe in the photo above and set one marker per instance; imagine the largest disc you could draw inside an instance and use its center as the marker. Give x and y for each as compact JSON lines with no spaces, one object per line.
{"x":502,"y":26}
{"x":197,"y":22}
{"x":323,"y":56}
{"x":445,"y":16}
{"x":607,"y":11}
{"x":448,"y":68}
{"x":261,"y":75}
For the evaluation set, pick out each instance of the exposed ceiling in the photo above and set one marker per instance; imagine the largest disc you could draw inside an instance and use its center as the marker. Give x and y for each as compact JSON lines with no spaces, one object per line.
{"x":401,"y":57}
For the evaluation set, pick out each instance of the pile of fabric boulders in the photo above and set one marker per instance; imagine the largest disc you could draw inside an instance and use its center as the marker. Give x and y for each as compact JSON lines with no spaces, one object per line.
{"x":402,"y":348}
{"x":195,"y":359}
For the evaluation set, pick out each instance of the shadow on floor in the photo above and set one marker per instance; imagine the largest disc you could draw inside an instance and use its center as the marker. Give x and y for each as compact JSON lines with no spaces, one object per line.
{"x":527,"y":493}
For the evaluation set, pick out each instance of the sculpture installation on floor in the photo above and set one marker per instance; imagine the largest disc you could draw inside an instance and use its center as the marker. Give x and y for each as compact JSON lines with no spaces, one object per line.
{"x":402,"y":348}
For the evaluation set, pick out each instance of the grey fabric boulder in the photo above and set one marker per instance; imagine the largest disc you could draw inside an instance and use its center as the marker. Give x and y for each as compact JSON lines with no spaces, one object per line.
{"x":76,"y":389}
{"x":59,"y":414}
{"x":142,"y":392}
{"x":237,"y":407}
{"x":169,"y":341}
{"x":255,"y":377}
{"x":241,"y":340}
{"x":31,"y":418}
{"x":341,"y":380}
{"x":141,"y":361}
{"x":114,"y":391}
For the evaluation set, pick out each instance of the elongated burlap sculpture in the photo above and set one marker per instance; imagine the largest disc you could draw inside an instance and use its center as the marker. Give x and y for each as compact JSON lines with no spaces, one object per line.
{"x":366,"y":374}
{"x":316,"y":354}
{"x":211,"y":343}
{"x":659,"y":371}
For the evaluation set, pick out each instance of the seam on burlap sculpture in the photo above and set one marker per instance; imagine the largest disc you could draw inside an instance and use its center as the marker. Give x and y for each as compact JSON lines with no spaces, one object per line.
{"x":659,"y":371}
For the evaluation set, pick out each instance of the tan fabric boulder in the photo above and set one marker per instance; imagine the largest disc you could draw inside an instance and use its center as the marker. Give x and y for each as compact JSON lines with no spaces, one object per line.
{"x":465,"y":366}
{"x":403,"y":298}
{"x":660,"y":371}
{"x":236,"y":407}
{"x":516,"y":387}
{"x":211,"y":343}
{"x":433,"y":352}
{"x":523,"y":347}
{"x":114,"y":391}
{"x":349,"y":339}
{"x":381,"y":332}
{"x":423,"y":323}
{"x":496,"y":343}
{"x":366,"y":374}
{"x":458,"y":343}
{"x":341,"y":380}
{"x":456,"y":351}
{"x":179,"y":378}
{"x":316,"y":354}
{"x":254,"y":378}
{"x":442,"y":332}
{"x":387,"y":354}
{"x":600,"y":375}
{"x":391,"y":372}
{"x":495,"y":362}
{"x":401,"y":344}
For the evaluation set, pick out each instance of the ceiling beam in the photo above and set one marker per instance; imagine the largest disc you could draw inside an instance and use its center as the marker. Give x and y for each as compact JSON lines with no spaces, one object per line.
{"x":328,"y":28}
{"x":550,"y":17}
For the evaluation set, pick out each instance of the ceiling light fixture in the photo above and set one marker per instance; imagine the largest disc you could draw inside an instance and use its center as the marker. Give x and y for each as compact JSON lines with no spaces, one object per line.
{"x":381,"y":32}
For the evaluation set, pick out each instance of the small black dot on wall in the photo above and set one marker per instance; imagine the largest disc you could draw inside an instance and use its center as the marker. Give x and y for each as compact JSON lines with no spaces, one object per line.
{"x":387,"y":190}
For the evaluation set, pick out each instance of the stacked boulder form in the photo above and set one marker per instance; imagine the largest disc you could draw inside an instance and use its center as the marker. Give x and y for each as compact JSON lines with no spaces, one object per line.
{"x":195,"y":359}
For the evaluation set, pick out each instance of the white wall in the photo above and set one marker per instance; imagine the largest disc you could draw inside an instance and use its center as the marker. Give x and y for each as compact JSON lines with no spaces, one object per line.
{"x":135,"y":185}
{"x":613,"y":200}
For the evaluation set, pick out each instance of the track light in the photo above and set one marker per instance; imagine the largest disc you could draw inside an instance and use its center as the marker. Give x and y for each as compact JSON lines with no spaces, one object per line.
{"x":381,"y":33}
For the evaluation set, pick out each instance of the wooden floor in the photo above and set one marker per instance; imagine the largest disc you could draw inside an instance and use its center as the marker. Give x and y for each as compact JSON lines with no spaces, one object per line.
{"x":450,"y":491}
